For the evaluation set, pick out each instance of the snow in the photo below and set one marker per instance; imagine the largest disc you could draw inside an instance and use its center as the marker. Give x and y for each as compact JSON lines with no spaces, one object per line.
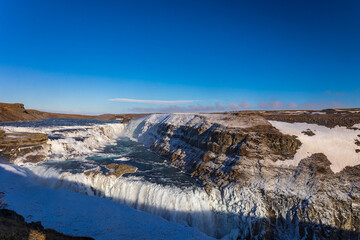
{"x":337,"y":143}
{"x":82,"y":215}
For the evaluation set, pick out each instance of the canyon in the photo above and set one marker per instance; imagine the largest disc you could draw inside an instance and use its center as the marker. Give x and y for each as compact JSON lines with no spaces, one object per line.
{"x":265,"y":174}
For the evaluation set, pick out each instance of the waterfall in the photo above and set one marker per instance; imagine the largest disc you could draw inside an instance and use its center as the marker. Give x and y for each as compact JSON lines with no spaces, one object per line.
{"x":73,"y":141}
{"x":189,"y":206}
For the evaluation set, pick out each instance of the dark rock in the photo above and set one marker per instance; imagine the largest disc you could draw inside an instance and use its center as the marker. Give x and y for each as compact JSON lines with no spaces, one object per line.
{"x":308,"y":132}
{"x":36,"y":225}
{"x":331,"y":119}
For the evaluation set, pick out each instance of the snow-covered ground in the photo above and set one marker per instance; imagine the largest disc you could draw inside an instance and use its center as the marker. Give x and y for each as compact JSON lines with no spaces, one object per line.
{"x":337,"y":143}
{"x":82,"y":215}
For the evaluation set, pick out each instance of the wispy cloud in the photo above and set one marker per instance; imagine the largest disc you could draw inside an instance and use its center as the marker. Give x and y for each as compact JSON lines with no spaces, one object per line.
{"x":161,"y":102}
{"x":279,"y":105}
{"x":272,"y":104}
{"x":194,"y":108}
{"x":318,"y":105}
{"x":291,"y":105}
{"x":233,"y":106}
{"x":334,"y":94}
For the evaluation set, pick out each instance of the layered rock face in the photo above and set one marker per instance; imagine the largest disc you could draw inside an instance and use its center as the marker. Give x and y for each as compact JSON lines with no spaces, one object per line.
{"x":16,"y":145}
{"x":16,"y":112}
{"x":239,"y":161}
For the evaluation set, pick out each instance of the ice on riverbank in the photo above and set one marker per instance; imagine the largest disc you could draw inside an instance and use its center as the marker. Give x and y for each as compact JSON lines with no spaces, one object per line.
{"x":81,"y":215}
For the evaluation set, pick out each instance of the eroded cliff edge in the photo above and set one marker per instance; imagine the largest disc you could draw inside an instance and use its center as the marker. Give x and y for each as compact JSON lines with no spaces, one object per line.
{"x":241,"y":159}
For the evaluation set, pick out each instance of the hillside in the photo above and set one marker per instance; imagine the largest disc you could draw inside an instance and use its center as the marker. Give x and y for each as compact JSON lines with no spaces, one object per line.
{"x":16,"y":112}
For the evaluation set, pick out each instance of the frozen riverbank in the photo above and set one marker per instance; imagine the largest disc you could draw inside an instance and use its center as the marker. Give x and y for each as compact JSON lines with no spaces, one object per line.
{"x":82,"y":215}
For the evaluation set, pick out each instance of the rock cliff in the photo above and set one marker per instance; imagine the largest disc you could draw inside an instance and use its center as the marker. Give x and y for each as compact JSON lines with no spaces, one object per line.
{"x":16,"y":145}
{"x":240,"y":159}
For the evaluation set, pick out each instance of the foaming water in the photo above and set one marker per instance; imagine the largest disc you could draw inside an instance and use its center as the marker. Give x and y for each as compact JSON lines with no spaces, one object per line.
{"x":190,"y":206}
{"x":70,"y":138}
{"x":155,"y":187}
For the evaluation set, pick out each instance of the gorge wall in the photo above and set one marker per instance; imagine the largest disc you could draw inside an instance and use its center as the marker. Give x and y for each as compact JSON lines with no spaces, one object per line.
{"x":284,"y":175}
{"x":242,"y":162}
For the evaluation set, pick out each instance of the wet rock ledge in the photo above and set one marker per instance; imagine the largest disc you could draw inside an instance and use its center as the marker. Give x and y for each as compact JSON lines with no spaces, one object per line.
{"x":15,"y":145}
{"x":115,"y":169}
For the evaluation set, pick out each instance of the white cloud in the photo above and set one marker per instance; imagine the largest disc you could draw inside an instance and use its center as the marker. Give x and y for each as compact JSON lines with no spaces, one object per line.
{"x":161,"y":102}
{"x":245,"y":105}
{"x":291,"y":105}
{"x":272,"y":104}
{"x":193,"y":108}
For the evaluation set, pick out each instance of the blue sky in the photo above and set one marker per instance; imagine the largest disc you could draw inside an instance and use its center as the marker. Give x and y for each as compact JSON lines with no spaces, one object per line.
{"x":179,"y":56}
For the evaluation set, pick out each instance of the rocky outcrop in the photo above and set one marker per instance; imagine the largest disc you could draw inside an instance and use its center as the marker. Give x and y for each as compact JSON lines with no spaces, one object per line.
{"x":115,"y":169}
{"x":308,"y":132}
{"x":14,"y":227}
{"x":118,"y":169}
{"x":16,"y":112}
{"x":213,"y":152}
{"x":238,"y":155}
{"x":16,"y":145}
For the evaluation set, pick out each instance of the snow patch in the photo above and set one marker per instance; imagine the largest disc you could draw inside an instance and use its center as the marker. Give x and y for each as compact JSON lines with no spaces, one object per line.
{"x":336,"y":143}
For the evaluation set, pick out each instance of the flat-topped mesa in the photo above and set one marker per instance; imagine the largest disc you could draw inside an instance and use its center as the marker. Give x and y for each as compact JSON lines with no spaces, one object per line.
{"x":12,"y":105}
{"x":15,"y":145}
{"x":16,"y":112}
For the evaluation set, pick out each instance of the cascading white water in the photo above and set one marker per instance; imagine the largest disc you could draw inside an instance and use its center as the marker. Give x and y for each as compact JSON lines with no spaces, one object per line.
{"x":71,"y":141}
{"x":186,"y":206}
